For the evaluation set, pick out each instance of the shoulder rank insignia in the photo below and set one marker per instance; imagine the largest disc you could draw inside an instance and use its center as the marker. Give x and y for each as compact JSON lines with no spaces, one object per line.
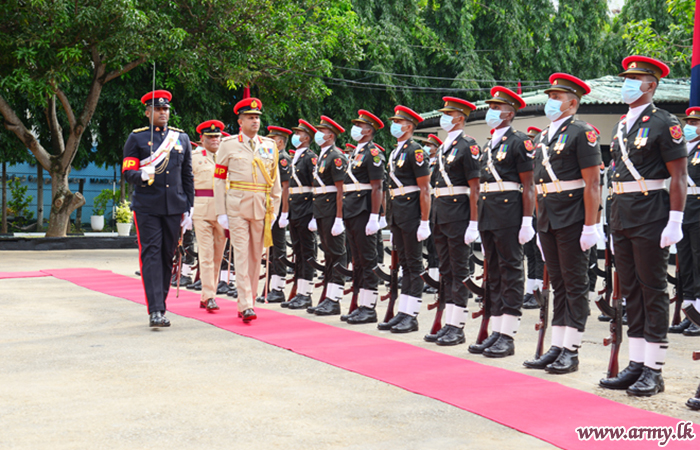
{"x":177,"y":129}
{"x":474,"y":150}
{"x":338,"y":162}
{"x":676,"y":132}
{"x":591,"y":136}
{"x":138,"y":130}
{"x":528,"y":145}
{"x":374,"y":151}
{"x":419,"y":156}
{"x":645,"y":118}
{"x":283,"y":162}
{"x":313,"y":160}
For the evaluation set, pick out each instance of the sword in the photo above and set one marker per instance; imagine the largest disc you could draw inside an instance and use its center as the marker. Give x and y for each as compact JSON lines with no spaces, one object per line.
{"x":150,"y":143}
{"x":180,"y":252}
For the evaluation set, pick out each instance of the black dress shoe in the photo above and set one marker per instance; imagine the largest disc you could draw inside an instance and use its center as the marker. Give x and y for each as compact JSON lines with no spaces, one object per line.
{"x":312,"y":309}
{"x":680,"y":328}
{"x":275,"y":296}
{"x":453,"y":336}
{"x":406,"y":325}
{"x":530,"y":302}
{"x":300,"y":302}
{"x":248,"y":315}
{"x":232,"y":291}
{"x":184,"y":281}
{"x":429,"y":290}
{"x":202,"y":304}
{"x":478,"y":349}
{"x":222,"y":288}
{"x":567,"y":362}
{"x":157,"y":320}
{"x":328,"y":308}
{"x":434,"y":337}
{"x":694,"y":403}
{"x":363,"y":314}
{"x":504,"y":346}
{"x":624,"y":379}
{"x":260,"y":299}
{"x":345,"y":317}
{"x":211,"y":305}
{"x":649,"y":383}
{"x":394,"y":320}
{"x":692,"y":330}
{"x":604,"y":318}
{"x":544,"y":360}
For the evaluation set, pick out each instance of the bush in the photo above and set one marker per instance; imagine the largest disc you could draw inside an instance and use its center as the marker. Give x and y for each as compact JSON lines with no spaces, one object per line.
{"x":123,"y":214}
{"x":18,"y":205}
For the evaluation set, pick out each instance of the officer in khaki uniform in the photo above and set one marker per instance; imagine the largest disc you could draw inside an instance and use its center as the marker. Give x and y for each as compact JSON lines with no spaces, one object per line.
{"x":247,"y":163}
{"x":211,"y":240}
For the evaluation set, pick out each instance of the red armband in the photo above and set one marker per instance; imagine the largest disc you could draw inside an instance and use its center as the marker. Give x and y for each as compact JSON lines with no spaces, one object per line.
{"x":220,"y":172}
{"x":130,"y":163}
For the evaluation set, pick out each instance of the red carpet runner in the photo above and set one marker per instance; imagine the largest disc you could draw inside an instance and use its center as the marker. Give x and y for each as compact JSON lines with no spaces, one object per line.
{"x":543,"y":409}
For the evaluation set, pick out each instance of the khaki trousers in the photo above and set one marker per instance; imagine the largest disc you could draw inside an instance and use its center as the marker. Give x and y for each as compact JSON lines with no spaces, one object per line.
{"x":211,"y":244}
{"x":247,"y":238}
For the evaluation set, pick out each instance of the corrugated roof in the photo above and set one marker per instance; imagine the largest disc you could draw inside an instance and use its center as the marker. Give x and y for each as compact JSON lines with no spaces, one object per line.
{"x":604,"y":90}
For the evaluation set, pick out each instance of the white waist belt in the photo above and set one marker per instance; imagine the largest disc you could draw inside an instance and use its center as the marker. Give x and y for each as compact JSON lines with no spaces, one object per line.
{"x":300,"y":190}
{"x":325,"y":190}
{"x":450,"y":190}
{"x":560,"y":186}
{"x":500,"y":186}
{"x":357,"y":187}
{"x":626,"y":187}
{"x":403,"y":190}
{"x":693,"y":190}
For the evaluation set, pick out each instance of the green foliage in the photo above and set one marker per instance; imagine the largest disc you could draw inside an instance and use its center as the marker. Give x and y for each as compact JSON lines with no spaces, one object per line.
{"x":99,"y":203}
{"x":18,"y":203}
{"x":123,"y":212}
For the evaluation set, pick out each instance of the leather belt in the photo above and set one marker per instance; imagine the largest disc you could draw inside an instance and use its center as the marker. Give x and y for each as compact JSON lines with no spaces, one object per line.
{"x":204,"y":192}
{"x":300,"y":190}
{"x":450,"y":190}
{"x":560,"y":186}
{"x":357,"y":187}
{"x":247,"y":186}
{"x":626,"y":187}
{"x":403,"y":190}
{"x":499,"y":186}
{"x":319,"y":190}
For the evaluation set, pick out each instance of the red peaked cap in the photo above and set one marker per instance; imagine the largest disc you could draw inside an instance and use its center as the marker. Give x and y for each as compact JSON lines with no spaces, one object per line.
{"x":225,"y":134}
{"x":278,"y":131}
{"x":563,"y":82}
{"x":534,"y":130}
{"x":210,"y":127}
{"x":349,"y":145}
{"x":249,"y":105}
{"x":692,"y":113}
{"x":402,"y":112}
{"x":502,"y":94}
{"x":327,"y":122}
{"x":380,"y":147}
{"x":434,"y":140}
{"x":457,"y":104}
{"x":306,"y":127}
{"x":644,"y":65}
{"x":368,"y":118}
{"x":159,"y":98}
{"x":594,"y":128}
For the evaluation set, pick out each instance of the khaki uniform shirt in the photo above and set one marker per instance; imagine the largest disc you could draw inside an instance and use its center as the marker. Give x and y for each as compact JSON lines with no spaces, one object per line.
{"x":203,"y":165}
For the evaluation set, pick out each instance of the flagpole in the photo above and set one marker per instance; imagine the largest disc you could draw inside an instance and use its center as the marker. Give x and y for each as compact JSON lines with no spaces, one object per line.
{"x":695,"y":65}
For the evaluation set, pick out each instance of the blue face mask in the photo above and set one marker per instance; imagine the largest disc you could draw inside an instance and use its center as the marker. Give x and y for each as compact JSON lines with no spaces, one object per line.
{"x":320,"y":138}
{"x":631,"y":90}
{"x":493,"y":118}
{"x":552,"y":109}
{"x":690,"y":132}
{"x":446,"y":122}
{"x":296,"y":141}
{"x":397,"y":130}
{"x":356,"y":133}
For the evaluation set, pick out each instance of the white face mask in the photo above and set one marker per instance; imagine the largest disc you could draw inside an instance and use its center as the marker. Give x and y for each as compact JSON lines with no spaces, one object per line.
{"x":320,"y":138}
{"x":493,"y":118}
{"x":356,"y":133}
{"x":397,"y":130}
{"x":631,"y":90}
{"x":446,"y":122}
{"x":296,"y":141}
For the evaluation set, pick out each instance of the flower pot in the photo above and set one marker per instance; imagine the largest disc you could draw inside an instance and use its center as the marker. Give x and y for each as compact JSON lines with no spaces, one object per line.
{"x":123,"y":229}
{"x":97,"y":223}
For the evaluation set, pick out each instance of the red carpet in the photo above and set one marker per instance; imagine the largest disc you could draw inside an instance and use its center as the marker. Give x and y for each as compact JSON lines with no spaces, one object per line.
{"x":6,"y":275}
{"x":540,"y":408}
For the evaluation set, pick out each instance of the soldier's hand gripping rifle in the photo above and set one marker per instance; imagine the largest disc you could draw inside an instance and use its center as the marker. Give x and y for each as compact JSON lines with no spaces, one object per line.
{"x":542,"y":298}
{"x":439,"y":303}
{"x":482,"y":291}
{"x":393,"y":279}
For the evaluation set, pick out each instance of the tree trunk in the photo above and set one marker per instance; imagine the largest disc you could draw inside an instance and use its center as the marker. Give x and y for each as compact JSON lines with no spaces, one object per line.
{"x":4,"y":197}
{"x":63,"y":202}
{"x":39,"y":198}
{"x":79,"y":212}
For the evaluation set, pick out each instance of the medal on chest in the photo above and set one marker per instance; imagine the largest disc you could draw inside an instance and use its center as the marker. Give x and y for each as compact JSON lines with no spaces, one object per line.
{"x":561,"y":143}
{"x":502,"y":151}
{"x":642,"y":137}
{"x":357,"y":161}
{"x":451,"y":156}
{"x":402,"y":160}
{"x":696,"y":158}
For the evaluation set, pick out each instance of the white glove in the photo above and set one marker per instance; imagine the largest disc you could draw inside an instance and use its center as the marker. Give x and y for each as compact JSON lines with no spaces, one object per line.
{"x":391,"y":239}
{"x":472,"y":232}
{"x":589,"y":237}
{"x":223,"y":220}
{"x":338,"y":227}
{"x":283,"y":220}
{"x":601,"y":230}
{"x":672,"y":234}
{"x":372,"y":224}
{"x":186,"y":222}
{"x":423,"y":231}
{"x":312,"y":225}
{"x":539,"y":245}
{"x":148,"y":172}
{"x":382,"y":222}
{"x":526,"y":231}
{"x":612,"y":246}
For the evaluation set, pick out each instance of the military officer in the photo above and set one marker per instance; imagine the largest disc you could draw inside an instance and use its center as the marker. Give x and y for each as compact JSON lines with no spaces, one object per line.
{"x":409,"y":184}
{"x":278,"y":271}
{"x":535,"y":265}
{"x":211,"y":240}
{"x":301,"y":222}
{"x":455,"y":181}
{"x":247,"y":164}
{"x":505,"y":219}
{"x":161,"y":171}
{"x":329,"y":175}
{"x":431,"y":146}
{"x":361,"y":209}
{"x":567,"y":170}
{"x":647,"y":147}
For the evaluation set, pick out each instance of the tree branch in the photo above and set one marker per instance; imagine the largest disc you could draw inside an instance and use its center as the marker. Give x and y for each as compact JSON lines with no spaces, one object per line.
{"x":55,"y":127}
{"x":117,"y":73}
{"x":66,"y":107}
{"x":15,"y":125}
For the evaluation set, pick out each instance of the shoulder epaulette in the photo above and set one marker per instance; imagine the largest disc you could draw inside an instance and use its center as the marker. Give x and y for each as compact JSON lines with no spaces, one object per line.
{"x":177,"y":129}
{"x":138,"y":130}
{"x":228,"y":138}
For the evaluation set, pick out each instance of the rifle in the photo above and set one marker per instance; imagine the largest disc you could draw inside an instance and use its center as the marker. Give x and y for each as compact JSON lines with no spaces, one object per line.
{"x":485,"y":310}
{"x":615,"y":312}
{"x":344,"y":272}
{"x":393,"y":279}
{"x":439,"y":302}
{"x":321,"y":268}
{"x":542,"y":298}
{"x":678,"y":298}
{"x":290,"y":264}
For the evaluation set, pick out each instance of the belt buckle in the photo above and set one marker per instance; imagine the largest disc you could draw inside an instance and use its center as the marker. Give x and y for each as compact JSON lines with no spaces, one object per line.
{"x":437,"y":192}
{"x":485,"y":188}
{"x":500,"y":185}
{"x":618,"y":189}
{"x":643,"y":186}
{"x":557,"y":186}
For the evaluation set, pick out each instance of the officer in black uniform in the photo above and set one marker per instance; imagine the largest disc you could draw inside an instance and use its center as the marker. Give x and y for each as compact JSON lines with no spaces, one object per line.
{"x":161,"y":171}
{"x":431,"y":146}
{"x":361,"y":209}
{"x":409,"y":184}
{"x":302,"y":225}
{"x":278,"y":271}
{"x":505,"y":219}
{"x":648,"y":146}
{"x":567,"y":174}
{"x":535,"y":265}
{"x":329,"y":175}
{"x":455,"y":182}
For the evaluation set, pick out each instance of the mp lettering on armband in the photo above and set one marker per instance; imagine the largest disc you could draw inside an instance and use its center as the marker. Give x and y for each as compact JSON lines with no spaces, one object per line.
{"x":130,"y":163}
{"x":220,"y":172}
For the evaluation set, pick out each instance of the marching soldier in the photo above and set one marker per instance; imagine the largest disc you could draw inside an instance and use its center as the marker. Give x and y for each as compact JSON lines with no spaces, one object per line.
{"x":535,"y":265}
{"x":247,"y":164}
{"x":211,"y":239}
{"x":361,"y":207}
{"x":431,"y":146}
{"x":409,"y":173}
{"x":329,"y":175}
{"x":161,"y":171}
{"x":505,"y":219}
{"x":567,"y":170}
{"x":455,"y":181}
{"x":301,"y":222}
{"x":648,"y":147}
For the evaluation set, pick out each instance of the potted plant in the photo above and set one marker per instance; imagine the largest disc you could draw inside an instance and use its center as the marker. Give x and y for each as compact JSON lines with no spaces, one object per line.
{"x":99,"y":205}
{"x":123,"y":217}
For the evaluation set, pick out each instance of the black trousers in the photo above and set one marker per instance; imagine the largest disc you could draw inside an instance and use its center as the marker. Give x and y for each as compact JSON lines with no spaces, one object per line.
{"x":453,"y":254}
{"x":503,"y":255}
{"x":431,"y":249}
{"x":279,"y":249}
{"x":380,"y":246}
{"x":303,"y":246}
{"x":410,"y":257}
{"x":535,"y":265}
{"x":364,"y":252}
{"x":334,"y":250}
{"x":689,"y":260}
{"x":568,"y":274}
{"x":641,"y":266}
{"x":592,"y":262}
{"x":157,"y":236}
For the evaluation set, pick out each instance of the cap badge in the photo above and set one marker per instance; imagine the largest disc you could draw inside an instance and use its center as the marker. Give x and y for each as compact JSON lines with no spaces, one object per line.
{"x":633,"y":65}
{"x":253,"y":104}
{"x":555,"y":82}
{"x":161,"y":100}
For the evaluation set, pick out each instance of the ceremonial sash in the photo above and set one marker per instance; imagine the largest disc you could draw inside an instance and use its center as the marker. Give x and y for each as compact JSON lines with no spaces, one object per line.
{"x":162,"y":151}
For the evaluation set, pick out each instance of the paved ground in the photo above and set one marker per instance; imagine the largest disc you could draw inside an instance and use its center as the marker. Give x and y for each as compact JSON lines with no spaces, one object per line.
{"x":82,"y":370}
